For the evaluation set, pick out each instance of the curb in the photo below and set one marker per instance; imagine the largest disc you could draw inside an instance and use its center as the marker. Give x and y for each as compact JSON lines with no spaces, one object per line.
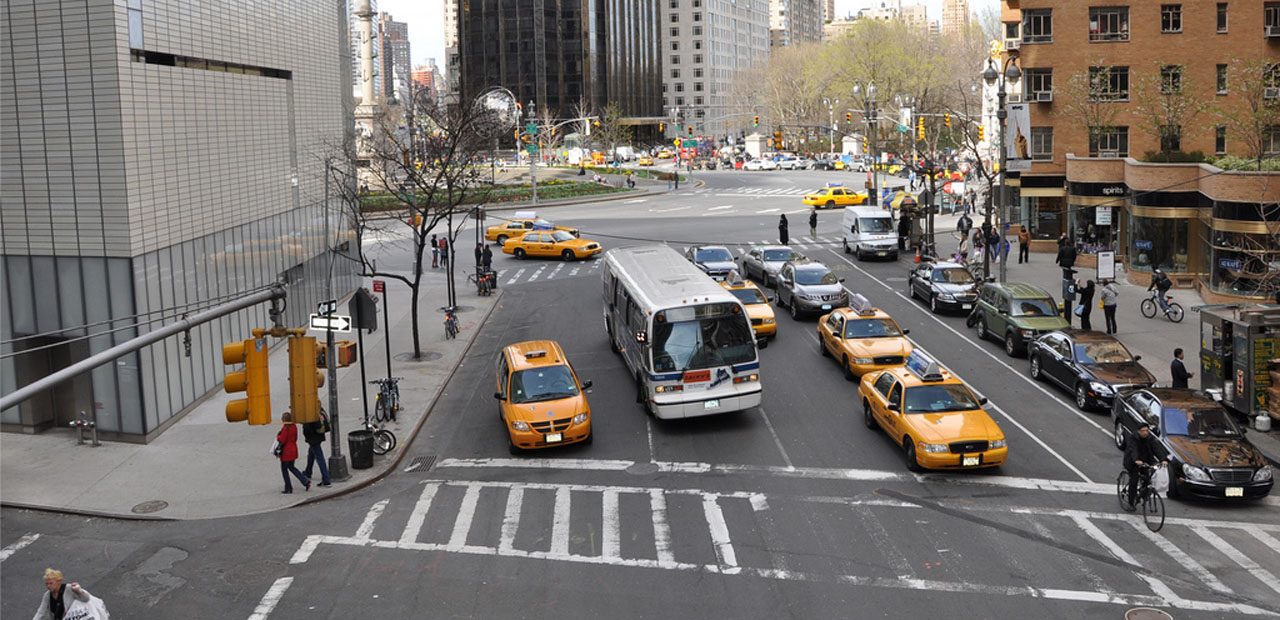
{"x":93,"y":513}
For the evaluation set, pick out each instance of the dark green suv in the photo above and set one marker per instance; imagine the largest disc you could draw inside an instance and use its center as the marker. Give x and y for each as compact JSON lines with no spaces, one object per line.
{"x":1015,"y":312}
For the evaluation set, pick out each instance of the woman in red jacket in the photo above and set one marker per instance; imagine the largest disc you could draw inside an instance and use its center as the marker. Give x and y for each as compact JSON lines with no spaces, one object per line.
{"x":288,"y":438}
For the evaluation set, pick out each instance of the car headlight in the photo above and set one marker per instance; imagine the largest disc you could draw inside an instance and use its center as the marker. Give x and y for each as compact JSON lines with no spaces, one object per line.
{"x":580,"y":418}
{"x":1100,"y":388}
{"x":769,"y":321}
{"x":1191,"y":472}
{"x":946,"y":297}
{"x":1027,"y":333}
{"x":933,"y":447}
{"x":862,"y":360}
{"x":1263,"y":474}
{"x":520,"y":426}
{"x":997,"y":444}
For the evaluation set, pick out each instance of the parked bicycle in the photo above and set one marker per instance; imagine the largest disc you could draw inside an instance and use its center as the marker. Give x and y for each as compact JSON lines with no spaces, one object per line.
{"x":384,"y":440}
{"x":1148,"y":499}
{"x":485,"y":281}
{"x":387,"y":402}
{"x":451,"y":328}
{"x":1172,"y":309}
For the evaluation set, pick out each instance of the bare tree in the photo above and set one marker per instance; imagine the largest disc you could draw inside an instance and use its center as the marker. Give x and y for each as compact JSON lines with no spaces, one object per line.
{"x":1252,"y":117}
{"x":611,"y":132}
{"x":1088,"y":98}
{"x":1167,"y":106}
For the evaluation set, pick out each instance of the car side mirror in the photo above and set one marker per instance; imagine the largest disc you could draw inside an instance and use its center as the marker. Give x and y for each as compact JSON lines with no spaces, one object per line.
{"x":497,"y":395}
{"x":586,"y":385}
{"x":905,"y":332}
{"x":894,"y":407}
{"x":1137,"y":358}
{"x":982,"y":400}
{"x":842,"y":279}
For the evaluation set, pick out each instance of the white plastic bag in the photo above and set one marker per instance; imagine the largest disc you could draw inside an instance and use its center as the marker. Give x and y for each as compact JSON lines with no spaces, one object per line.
{"x":95,"y":609}
{"x":277,"y":448}
{"x":1160,"y":479}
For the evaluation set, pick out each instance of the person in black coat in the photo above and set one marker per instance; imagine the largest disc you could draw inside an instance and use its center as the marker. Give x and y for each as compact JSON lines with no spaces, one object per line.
{"x":1066,"y":255}
{"x":1178,"y":370}
{"x":486,"y":258}
{"x":782,"y":229}
{"x":1086,"y":300}
{"x":813,"y":222}
{"x":1141,"y":450}
{"x":313,"y":434}
{"x":904,"y":231}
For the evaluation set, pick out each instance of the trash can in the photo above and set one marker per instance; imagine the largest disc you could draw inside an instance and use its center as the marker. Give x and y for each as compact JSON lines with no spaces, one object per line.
{"x":360,"y":444}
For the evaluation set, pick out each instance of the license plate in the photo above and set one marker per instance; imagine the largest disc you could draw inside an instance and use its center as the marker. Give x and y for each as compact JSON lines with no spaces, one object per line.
{"x":881,"y":253}
{"x":970,"y":461}
{"x":1235,"y":491}
{"x":966,"y":306}
{"x":826,"y":306}
{"x":555,"y":437}
{"x":711,"y":404}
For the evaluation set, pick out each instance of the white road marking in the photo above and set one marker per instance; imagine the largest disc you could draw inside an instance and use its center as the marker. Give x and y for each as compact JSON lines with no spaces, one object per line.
{"x":634,"y":201}
{"x":1243,"y":560}
{"x":370,"y":519}
{"x":511,"y":519}
{"x":560,"y":523}
{"x":1187,"y":562}
{"x":271,"y":598}
{"x":1078,"y":565}
{"x":778,"y":442}
{"x":18,"y":545}
{"x":661,"y":530}
{"x":419,"y":514}
{"x":1158,"y":587}
{"x":648,"y":427}
{"x":519,"y":272}
{"x":572,"y":273}
{"x":535,"y":274}
{"x":610,"y":536}
{"x":883,"y":541}
{"x":720,"y":208}
{"x":764,"y":211}
{"x":1266,"y":540}
{"x":670,"y":209}
{"x":466,"y":513}
{"x":719,"y":533}
{"x":555,"y":271}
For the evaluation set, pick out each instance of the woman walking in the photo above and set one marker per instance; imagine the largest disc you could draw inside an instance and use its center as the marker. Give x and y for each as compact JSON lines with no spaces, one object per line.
{"x":1086,"y":302}
{"x":288,"y":438}
{"x":1109,"y":294}
{"x":782,"y":229}
{"x":56,"y":600}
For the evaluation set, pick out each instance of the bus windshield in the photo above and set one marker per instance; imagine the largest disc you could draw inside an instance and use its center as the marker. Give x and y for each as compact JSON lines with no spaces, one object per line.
{"x":705,"y":336}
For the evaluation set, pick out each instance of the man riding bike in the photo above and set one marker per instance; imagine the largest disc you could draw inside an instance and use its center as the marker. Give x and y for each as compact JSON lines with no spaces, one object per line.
{"x":1161,"y":283}
{"x":1141,"y":451}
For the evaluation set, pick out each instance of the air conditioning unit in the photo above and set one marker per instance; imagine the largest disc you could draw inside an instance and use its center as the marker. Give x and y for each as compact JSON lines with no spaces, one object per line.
{"x":1015,"y":97}
{"x":1012,"y":45}
{"x":1271,"y":92}
{"x":1108,"y":153}
{"x":1272,"y":32}
{"x":1044,"y":96}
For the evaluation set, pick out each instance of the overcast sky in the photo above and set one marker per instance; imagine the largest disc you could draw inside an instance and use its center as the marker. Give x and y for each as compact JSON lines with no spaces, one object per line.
{"x":426,"y":21}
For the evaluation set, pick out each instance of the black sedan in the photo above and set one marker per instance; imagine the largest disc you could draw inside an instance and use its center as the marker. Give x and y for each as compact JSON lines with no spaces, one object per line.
{"x":1208,"y":453}
{"x":1092,"y":365}
{"x":944,"y":285}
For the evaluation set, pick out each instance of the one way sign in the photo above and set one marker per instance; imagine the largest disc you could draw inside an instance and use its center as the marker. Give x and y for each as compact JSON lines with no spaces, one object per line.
{"x":331,"y":323}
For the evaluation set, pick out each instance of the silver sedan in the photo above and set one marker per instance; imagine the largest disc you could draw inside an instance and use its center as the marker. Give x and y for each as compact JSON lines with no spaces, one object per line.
{"x":762,"y":262}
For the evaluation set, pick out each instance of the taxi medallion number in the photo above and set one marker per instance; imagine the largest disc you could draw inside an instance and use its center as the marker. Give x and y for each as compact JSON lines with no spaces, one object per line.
{"x":555,"y":437}
{"x":970,"y":461}
{"x":711,"y":404}
{"x":1235,"y":491}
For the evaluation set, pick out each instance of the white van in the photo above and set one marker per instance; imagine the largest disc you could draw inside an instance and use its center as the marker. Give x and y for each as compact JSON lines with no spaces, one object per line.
{"x":869,"y":231}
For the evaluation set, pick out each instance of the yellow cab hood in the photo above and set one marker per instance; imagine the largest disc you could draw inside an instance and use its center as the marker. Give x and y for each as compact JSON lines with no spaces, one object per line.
{"x":875,"y":347}
{"x":547,"y":410}
{"x":580,"y":244}
{"x":759,"y":311}
{"x":954,"y":426}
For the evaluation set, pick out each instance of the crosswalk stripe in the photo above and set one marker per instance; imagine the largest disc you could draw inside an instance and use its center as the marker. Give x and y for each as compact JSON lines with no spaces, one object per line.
{"x":17,"y":546}
{"x":1182,"y":558}
{"x":610,"y":537}
{"x":719,"y":532}
{"x":419,"y":514}
{"x":511,"y":519}
{"x":1159,"y":587}
{"x":1243,"y":560}
{"x":661,"y":529}
{"x":560,"y":524}
{"x":466,"y":513}
{"x":519,"y":272}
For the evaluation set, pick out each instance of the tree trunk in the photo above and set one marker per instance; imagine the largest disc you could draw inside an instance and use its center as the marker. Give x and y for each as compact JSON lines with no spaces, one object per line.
{"x":413,"y":305}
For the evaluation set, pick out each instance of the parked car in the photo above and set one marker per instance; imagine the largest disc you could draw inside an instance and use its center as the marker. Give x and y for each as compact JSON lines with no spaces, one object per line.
{"x":809,"y":287}
{"x":805,"y":163}
{"x":1093,"y":366}
{"x":789,"y":162}
{"x":1017,"y":313}
{"x":944,"y":285}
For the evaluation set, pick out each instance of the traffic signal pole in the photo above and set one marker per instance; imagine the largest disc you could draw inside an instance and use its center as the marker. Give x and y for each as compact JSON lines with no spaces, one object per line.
{"x":337,"y":463}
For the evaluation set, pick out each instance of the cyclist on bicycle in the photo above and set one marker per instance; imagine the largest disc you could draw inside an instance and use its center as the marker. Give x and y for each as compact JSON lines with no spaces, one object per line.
{"x":1140,"y":452}
{"x":1161,"y":283}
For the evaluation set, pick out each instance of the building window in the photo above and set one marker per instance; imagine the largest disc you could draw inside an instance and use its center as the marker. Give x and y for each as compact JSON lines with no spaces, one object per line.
{"x":675,"y":18}
{"x":1170,"y":79}
{"x":1271,"y":140}
{"x":1271,"y":18}
{"x":697,"y":31}
{"x":1222,"y":79}
{"x":698,"y":101}
{"x":1109,"y":83}
{"x":675,"y":32}
{"x":1042,"y":143}
{"x":675,"y":59}
{"x":135,"y":24}
{"x":1037,"y":26}
{"x":679,"y":87}
{"x":1038,"y":81}
{"x":1110,"y":142}
{"x":679,"y":100}
{"x":697,"y":4}
{"x":697,"y":17}
{"x":675,"y":46}
{"x":697,"y":59}
{"x":1011,"y":30}
{"x":700,"y":113}
{"x":1170,"y":138}
{"x":1222,"y":17}
{"x":697,"y":45}
{"x":675,"y":73}
{"x":697,"y":87}
{"x":697,"y":73}
{"x":675,"y":4}
{"x":1220,"y":140}
{"x":1171,"y":18}
{"x":1109,"y":23}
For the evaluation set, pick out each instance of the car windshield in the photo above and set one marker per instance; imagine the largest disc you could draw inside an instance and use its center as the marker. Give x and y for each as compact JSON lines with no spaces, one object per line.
{"x":706,"y":336}
{"x":875,"y":224}
{"x":810,"y":277}
{"x":777,"y":256}
{"x":1034,"y":307}
{"x":713,"y":255}
{"x":1102,"y":352}
{"x":871,"y":328}
{"x":940,"y":398}
{"x":545,"y":383}
{"x":561,"y":235}
{"x":749,"y":295}
{"x":955,"y":275}
{"x":1199,"y":422}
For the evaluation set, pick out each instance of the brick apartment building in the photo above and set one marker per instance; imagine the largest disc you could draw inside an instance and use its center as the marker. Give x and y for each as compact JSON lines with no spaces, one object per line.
{"x":1205,"y":227}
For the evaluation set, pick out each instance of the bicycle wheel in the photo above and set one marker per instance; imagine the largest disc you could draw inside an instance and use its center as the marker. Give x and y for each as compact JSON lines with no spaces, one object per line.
{"x":1122,"y":492}
{"x":379,"y":409}
{"x":383,"y":441}
{"x":1175,"y":312}
{"x":1153,"y":510}
{"x":1148,"y":308}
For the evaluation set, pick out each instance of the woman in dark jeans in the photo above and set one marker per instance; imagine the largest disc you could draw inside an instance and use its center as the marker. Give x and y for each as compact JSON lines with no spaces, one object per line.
{"x":1086,"y":301}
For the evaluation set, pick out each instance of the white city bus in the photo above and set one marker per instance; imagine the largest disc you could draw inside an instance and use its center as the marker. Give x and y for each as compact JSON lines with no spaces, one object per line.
{"x":686,"y":340}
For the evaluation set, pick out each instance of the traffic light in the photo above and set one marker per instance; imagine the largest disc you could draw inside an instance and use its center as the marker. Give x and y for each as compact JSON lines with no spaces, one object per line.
{"x":755,"y":122}
{"x":946,"y":120}
{"x":982,"y":133}
{"x":864,"y":145}
{"x":304,"y":379}
{"x":920,"y":129}
{"x":777,"y":139}
{"x":662,"y":127}
{"x":690,"y":131}
{"x":347,"y":353}
{"x":848,"y":118}
{"x":253,"y":380}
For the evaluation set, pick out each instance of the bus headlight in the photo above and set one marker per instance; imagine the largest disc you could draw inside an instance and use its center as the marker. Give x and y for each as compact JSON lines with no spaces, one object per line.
{"x":747,"y":378}
{"x":668,"y":388}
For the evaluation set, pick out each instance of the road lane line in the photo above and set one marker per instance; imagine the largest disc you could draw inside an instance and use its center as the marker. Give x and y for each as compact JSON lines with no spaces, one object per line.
{"x":764,"y":211}
{"x":18,"y":545}
{"x":776,"y":441}
{"x":671,"y":209}
{"x":1078,"y":565}
{"x":466,"y":514}
{"x":610,"y":537}
{"x":634,"y":201}
{"x":883,"y":542}
{"x":1158,"y":587}
{"x":661,"y":529}
{"x":720,"y":208}
{"x":370,"y":519}
{"x":419,"y":514}
{"x":511,"y":519}
{"x":719,"y":533}
{"x":1187,"y":562}
{"x":1243,"y":560}
{"x":648,"y":427}
{"x":271,"y":598}
{"x":560,"y":523}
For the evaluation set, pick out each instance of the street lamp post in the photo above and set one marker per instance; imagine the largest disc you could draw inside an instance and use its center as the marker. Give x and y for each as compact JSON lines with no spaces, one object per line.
{"x":831,"y":121}
{"x":869,"y":119}
{"x":992,"y":76}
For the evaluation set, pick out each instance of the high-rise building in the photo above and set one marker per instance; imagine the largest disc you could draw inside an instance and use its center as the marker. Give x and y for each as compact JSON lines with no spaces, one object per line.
{"x":829,"y":11}
{"x":955,"y":16}
{"x":353,"y":28}
{"x":173,"y":173}
{"x":795,"y":21}
{"x":702,"y":55}
{"x":558,"y":55}
{"x":452,"y":60}
{"x":915,"y":16}
{"x":837,"y":28}
{"x":428,"y":78}
{"x":394,"y":43}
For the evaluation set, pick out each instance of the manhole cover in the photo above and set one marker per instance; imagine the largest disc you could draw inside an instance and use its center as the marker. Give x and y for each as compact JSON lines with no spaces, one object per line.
{"x":1146,"y":613}
{"x":420,"y":463}
{"x":146,"y":508}
{"x":255,"y":572}
{"x":427,"y":356}
{"x":640,"y":469}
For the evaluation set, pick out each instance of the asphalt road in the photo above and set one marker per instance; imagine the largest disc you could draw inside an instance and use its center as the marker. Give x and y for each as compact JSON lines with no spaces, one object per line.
{"x":793,"y":509}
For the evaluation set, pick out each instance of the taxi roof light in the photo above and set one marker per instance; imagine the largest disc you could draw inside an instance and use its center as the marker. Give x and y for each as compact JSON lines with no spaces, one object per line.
{"x":535,"y":354}
{"x":924,"y":367}
{"x":861,"y":305}
{"x":734,"y":278}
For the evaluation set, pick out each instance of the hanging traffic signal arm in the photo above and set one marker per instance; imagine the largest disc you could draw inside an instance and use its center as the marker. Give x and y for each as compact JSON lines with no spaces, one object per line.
{"x":253,"y":380}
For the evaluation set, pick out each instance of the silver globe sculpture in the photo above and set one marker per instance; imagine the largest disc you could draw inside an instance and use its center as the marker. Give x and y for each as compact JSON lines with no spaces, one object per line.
{"x":498,"y":112}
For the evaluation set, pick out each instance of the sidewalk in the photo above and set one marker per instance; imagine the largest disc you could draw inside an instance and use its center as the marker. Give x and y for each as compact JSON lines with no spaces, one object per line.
{"x":204,"y":467}
{"x":1153,"y":339}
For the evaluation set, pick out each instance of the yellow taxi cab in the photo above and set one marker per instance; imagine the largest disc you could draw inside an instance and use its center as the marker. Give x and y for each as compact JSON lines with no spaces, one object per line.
{"x":763,"y":323}
{"x":863,"y":338}
{"x":937,"y":420}
{"x":664,"y":154}
{"x":523,"y":221}
{"x":540,"y":399}
{"x":645,"y":160}
{"x":551,"y":243}
{"x":834,"y":195}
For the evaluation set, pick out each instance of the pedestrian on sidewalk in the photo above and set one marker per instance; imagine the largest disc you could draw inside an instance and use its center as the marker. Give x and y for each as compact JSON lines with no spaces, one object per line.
{"x":904,"y":231}
{"x":1066,"y":255}
{"x":55,"y":602}
{"x":444,"y":252}
{"x":486,"y":258}
{"x":964,"y":224}
{"x":1178,"y":370}
{"x":1086,"y":292}
{"x":435,"y":252}
{"x":813,"y":222}
{"x":479,"y":255}
{"x":313,"y":433}
{"x":1024,"y":245}
{"x":782,"y":229}
{"x":1109,"y":294}
{"x":288,"y":438}
{"x":1069,"y":297}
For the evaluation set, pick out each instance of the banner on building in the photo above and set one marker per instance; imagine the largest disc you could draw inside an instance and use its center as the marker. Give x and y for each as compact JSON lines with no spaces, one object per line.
{"x":1017,"y":138}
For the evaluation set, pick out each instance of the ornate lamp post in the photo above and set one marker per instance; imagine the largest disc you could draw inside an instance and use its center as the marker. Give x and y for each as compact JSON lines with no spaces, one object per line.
{"x":997,"y":77}
{"x":869,"y":119}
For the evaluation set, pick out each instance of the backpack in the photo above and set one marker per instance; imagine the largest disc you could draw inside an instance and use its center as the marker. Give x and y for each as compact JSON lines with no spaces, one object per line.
{"x":324,"y":423}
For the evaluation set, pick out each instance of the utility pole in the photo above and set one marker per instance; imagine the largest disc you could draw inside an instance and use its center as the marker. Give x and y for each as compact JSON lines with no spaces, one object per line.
{"x":337,"y":463}
{"x":532,"y":115}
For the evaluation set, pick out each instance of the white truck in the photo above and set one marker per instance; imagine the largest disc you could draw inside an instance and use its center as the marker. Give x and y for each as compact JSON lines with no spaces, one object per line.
{"x":868,"y":231}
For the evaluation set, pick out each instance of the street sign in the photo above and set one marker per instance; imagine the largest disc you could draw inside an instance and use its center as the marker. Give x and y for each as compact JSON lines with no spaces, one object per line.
{"x":332,"y":323}
{"x":378,"y":285}
{"x":530,"y":128}
{"x":325,"y":308}
{"x":1106,"y":266}
{"x":531,"y":148}
{"x":676,"y":142}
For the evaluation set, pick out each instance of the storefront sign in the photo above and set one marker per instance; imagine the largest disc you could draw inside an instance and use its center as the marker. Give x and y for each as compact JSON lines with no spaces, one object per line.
{"x":1102,"y":216}
{"x":1231,"y":264}
{"x":1142,"y":244}
{"x":1106,"y":266}
{"x":1017,"y":138}
{"x":1113,"y":190}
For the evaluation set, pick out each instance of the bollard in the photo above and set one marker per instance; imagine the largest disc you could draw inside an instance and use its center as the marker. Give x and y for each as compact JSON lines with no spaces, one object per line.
{"x":93,"y":424}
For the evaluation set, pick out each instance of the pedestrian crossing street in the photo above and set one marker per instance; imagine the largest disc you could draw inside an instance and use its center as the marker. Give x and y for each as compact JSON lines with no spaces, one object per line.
{"x":884,"y":540}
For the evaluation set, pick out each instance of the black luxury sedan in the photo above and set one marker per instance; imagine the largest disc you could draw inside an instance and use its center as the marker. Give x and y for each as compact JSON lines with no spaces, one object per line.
{"x":944,"y":285}
{"x":1208,"y":453}
{"x":1093,"y":366}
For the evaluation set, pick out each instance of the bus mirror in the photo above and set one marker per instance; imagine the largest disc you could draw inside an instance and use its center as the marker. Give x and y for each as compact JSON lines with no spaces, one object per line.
{"x":497,"y":395}
{"x":762,"y":343}
{"x":641,"y":337}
